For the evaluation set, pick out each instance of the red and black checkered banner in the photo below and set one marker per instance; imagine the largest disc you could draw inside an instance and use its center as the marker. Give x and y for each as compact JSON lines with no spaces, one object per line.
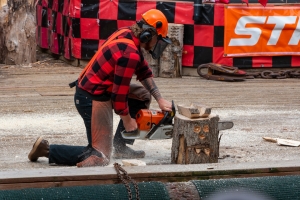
{"x":76,"y":29}
{"x":53,"y":27}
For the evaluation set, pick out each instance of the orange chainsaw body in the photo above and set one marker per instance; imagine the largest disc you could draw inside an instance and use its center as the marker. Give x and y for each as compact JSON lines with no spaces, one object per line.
{"x":146,"y":118}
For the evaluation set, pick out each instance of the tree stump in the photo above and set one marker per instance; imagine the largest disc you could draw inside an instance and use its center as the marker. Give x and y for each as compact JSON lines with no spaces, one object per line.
{"x":195,"y":140}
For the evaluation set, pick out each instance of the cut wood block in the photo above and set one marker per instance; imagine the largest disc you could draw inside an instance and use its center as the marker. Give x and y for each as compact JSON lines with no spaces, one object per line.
{"x":189,"y":112}
{"x":204,"y":111}
{"x":284,"y":142}
{"x":269,"y":139}
{"x":194,"y":111}
{"x":133,"y":162}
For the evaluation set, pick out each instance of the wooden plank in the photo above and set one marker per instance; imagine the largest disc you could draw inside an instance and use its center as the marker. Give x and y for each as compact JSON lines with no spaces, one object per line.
{"x":72,"y":176}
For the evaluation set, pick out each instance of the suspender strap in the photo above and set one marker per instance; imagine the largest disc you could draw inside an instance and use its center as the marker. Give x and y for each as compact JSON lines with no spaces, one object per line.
{"x":108,"y":41}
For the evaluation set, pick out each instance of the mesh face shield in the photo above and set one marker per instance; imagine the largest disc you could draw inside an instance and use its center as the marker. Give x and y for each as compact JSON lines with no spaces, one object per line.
{"x":160,"y":46}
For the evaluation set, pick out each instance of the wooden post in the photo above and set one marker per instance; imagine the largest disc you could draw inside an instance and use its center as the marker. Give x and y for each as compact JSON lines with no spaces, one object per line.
{"x":195,"y":140}
{"x":153,"y":63}
{"x":170,"y":61}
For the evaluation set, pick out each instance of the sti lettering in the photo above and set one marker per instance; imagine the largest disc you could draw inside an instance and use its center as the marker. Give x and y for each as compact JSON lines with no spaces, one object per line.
{"x":255,"y":33}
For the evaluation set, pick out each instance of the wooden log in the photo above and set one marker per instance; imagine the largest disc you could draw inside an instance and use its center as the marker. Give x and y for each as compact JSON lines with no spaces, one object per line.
{"x":17,"y":30}
{"x":195,"y":140}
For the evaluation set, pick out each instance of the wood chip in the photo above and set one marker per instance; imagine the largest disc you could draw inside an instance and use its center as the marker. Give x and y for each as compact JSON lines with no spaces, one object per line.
{"x":284,"y":142}
{"x":133,"y":162}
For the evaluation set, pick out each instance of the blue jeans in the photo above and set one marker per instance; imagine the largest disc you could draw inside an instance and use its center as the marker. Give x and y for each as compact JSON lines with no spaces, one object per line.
{"x":67,"y":154}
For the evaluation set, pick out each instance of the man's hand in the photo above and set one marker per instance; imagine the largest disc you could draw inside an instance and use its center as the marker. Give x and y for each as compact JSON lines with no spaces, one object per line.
{"x":164,"y":105}
{"x":129,"y":123}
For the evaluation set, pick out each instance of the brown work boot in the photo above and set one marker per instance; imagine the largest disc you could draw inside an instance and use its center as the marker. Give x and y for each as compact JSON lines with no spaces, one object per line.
{"x":128,"y":153}
{"x":40,"y":149}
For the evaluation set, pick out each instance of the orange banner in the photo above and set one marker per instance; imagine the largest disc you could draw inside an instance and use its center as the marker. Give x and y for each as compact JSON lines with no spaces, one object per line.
{"x":261,"y":31}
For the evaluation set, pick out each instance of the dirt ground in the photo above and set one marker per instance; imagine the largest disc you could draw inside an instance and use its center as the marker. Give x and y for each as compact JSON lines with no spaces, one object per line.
{"x":35,"y":100}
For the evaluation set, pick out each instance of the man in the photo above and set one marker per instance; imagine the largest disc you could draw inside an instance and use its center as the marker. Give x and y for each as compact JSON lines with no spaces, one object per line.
{"x":104,"y":85}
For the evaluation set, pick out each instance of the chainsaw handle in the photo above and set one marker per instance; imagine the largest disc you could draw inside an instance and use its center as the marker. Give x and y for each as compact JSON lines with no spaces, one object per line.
{"x":136,"y":131}
{"x":173,"y":113}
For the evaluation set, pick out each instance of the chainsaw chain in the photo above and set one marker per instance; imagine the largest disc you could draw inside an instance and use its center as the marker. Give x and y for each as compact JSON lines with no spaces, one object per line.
{"x":126,"y":180}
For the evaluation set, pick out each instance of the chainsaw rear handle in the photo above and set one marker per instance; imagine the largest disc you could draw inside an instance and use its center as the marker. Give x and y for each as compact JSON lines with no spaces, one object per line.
{"x":172,"y":114}
{"x":134,"y":132}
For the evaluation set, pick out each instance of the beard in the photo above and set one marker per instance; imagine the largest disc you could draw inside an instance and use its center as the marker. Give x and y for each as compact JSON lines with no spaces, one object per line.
{"x":148,"y":46}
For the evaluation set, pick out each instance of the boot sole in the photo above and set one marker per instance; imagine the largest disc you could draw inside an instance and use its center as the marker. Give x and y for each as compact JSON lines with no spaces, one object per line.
{"x":36,"y":144}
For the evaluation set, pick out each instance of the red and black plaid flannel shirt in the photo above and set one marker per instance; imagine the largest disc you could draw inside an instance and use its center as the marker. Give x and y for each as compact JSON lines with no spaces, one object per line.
{"x":113,"y":69}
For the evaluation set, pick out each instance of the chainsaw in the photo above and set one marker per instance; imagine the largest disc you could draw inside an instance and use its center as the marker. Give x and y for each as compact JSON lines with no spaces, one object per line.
{"x":152,"y":125}
{"x":158,"y":125}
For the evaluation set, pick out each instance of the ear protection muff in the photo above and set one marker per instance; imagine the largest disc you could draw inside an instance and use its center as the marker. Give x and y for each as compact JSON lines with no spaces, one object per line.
{"x":147,"y":34}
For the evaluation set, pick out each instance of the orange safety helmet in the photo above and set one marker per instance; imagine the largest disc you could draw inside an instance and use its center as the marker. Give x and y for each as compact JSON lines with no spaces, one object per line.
{"x":158,"y":20}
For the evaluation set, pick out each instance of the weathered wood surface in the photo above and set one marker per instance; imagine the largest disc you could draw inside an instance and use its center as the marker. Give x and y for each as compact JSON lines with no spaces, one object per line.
{"x":17,"y":30}
{"x":195,"y":140}
{"x":72,"y":176}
